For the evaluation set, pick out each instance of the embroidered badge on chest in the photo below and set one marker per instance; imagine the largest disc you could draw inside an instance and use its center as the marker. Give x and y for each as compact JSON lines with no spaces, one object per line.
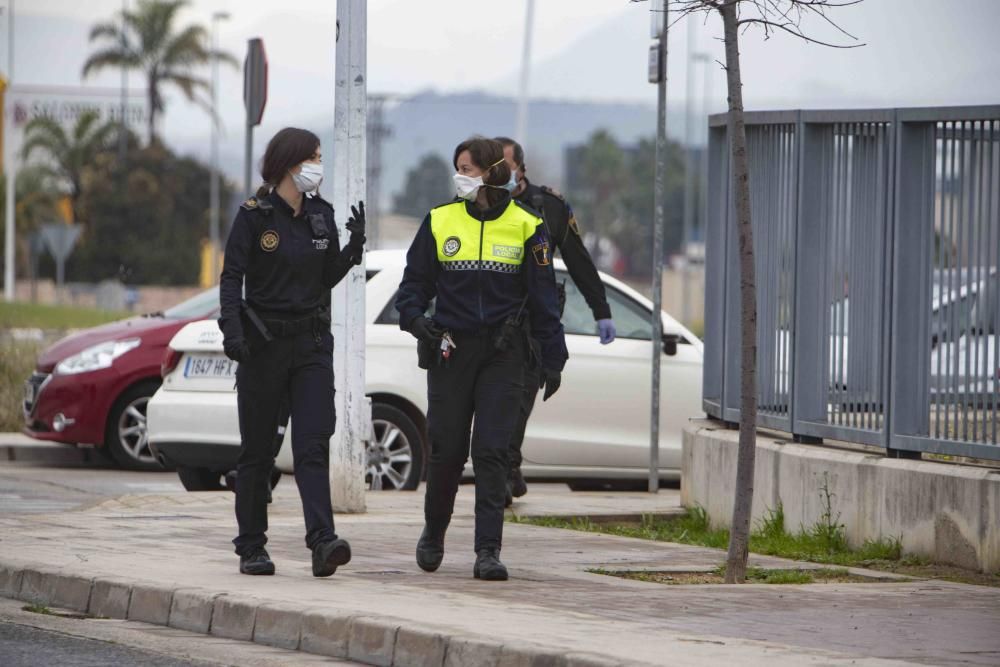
{"x":451,"y":246}
{"x":321,"y":244}
{"x":269,"y":241}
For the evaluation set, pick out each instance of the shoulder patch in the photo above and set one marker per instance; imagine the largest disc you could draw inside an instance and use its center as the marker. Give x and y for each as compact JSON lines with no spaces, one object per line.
{"x":541,"y":254}
{"x":250,"y":204}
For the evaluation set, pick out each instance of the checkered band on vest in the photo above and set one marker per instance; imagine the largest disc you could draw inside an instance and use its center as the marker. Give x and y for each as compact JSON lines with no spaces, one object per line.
{"x":473,"y":265}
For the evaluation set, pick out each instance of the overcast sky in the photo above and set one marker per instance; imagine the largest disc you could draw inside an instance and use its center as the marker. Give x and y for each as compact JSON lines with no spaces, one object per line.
{"x":918,"y":52}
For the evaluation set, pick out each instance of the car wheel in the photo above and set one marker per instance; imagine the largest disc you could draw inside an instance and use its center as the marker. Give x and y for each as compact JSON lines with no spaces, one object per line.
{"x":395,"y":456}
{"x":200,"y":479}
{"x":126,"y":435}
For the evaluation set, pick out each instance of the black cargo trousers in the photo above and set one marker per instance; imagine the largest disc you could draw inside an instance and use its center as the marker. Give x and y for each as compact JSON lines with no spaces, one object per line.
{"x":478,"y":391}
{"x":297,"y":371}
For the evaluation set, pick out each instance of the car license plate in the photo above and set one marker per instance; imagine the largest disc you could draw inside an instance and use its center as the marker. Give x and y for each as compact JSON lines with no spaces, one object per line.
{"x":209,"y":366}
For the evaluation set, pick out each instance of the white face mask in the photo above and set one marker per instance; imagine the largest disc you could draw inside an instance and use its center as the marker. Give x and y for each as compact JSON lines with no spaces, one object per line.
{"x":309,"y":177}
{"x":467,"y":187}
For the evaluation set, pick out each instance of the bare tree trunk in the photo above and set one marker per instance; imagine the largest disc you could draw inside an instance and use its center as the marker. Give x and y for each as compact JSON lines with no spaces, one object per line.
{"x":739,"y":536}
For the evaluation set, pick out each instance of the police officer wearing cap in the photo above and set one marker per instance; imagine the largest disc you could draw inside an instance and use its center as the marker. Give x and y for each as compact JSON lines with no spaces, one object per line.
{"x":486,"y":260}
{"x":284,"y":245}
{"x":564,"y":232}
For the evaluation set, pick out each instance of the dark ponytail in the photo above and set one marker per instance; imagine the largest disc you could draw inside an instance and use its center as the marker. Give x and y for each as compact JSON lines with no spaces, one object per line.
{"x":289,"y":147}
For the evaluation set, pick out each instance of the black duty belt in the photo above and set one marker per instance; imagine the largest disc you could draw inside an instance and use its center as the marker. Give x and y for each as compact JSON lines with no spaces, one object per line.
{"x":283,"y":328}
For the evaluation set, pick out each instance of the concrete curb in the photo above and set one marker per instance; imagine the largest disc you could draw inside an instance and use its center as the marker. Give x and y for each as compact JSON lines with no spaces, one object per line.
{"x":365,"y":638}
{"x":21,"y":448}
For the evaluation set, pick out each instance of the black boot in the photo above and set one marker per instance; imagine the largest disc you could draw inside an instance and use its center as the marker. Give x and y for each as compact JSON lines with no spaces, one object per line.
{"x":328,"y":556}
{"x":430,"y":549}
{"x":518,"y":487}
{"x":488,"y":566}
{"x":256,"y":562}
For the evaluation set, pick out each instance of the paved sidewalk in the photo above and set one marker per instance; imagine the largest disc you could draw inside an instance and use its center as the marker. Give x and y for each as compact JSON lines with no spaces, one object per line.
{"x":167,"y":559}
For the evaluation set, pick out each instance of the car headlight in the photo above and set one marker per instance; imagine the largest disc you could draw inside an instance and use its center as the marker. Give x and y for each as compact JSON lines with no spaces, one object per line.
{"x":96,"y":357}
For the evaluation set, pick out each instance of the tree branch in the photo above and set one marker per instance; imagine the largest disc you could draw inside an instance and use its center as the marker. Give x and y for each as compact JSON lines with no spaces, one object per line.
{"x":793,"y":29}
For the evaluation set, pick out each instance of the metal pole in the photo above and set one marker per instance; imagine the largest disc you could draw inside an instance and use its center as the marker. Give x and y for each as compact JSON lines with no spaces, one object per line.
{"x":122,"y":131}
{"x":689,"y":181}
{"x":9,"y":166}
{"x":248,"y":159}
{"x":347,"y":451}
{"x":658,"y":221}
{"x":521,"y":126}
{"x":213,"y":224}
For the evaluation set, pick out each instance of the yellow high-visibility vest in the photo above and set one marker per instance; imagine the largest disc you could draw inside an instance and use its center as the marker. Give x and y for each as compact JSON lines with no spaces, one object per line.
{"x":467,"y":244}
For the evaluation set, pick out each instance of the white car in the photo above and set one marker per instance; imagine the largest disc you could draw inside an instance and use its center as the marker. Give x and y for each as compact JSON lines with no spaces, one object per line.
{"x":596,"y":428}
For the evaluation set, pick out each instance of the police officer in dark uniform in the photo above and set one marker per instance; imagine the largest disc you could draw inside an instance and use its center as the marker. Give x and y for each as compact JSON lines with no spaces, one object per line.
{"x":486,"y":260}
{"x":565,"y":235}
{"x":284,"y":243}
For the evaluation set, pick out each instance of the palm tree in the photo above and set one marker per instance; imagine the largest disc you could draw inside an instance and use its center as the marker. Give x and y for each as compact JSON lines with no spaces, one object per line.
{"x":145,"y":40}
{"x":68,"y":153}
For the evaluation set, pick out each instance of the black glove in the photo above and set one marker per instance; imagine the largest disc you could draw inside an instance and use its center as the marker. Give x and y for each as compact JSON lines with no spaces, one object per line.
{"x":236,"y":348}
{"x":550,"y":382}
{"x":423,"y":328}
{"x":356,"y":225}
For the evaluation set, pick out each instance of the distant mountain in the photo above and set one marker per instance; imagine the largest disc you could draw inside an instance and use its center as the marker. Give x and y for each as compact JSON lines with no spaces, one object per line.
{"x":435,"y":123}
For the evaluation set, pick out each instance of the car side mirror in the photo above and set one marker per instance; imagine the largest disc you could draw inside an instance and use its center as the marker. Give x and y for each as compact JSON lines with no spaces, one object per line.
{"x":670,"y":342}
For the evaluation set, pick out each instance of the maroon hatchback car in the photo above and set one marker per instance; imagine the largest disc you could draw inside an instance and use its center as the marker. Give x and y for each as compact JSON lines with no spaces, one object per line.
{"x":91,"y":388}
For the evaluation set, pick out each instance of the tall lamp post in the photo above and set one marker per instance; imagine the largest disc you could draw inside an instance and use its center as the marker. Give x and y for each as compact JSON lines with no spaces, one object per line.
{"x":8,"y":166}
{"x":213,"y":225}
{"x":658,"y":75}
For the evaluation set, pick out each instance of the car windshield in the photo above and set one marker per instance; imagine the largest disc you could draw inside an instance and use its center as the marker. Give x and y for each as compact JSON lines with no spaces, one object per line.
{"x":200,"y":305}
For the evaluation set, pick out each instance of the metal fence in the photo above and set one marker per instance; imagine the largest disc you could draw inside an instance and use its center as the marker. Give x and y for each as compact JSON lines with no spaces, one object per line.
{"x":877,"y":249}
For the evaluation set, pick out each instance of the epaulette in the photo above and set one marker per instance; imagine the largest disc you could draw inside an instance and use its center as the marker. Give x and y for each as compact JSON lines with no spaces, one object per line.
{"x":254,"y":204}
{"x":555,"y":193}
{"x":456,"y":200}
{"x":530,"y":209}
{"x":319,"y":199}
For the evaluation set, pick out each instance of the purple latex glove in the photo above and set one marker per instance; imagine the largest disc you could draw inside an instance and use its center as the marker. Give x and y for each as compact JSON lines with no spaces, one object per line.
{"x":606,"y":329}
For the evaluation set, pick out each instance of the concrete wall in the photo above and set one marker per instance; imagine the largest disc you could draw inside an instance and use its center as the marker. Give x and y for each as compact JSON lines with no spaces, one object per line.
{"x":950,"y":513}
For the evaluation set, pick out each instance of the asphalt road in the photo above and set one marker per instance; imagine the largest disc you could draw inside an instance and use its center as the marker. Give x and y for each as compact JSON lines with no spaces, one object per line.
{"x":29,"y":639}
{"x":25,"y":646}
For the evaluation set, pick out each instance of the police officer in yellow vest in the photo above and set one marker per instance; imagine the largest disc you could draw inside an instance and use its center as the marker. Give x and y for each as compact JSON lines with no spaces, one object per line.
{"x":487,"y":261}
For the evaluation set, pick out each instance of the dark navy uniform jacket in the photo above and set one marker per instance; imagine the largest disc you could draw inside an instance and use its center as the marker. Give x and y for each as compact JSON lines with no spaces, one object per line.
{"x":565,"y":235}
{"x":480,"y":265}
{"x":290,"y":262}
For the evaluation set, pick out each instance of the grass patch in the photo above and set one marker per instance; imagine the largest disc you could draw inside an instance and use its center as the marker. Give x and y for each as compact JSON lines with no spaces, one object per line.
{"x":37,"y":609}
{"x":755,"y":575}
{"x":32,"y":315}
{"x":17,"y":361}
{"x":823,"y":543}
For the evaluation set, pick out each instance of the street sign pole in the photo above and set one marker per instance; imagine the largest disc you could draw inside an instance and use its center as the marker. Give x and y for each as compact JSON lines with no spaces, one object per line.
{"x":658,"y":67}
{"x":254,"y":99}
{"x":354,"y":429}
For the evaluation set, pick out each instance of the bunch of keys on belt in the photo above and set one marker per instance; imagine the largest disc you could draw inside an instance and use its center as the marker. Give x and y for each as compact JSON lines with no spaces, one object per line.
{"x":447,"y":345}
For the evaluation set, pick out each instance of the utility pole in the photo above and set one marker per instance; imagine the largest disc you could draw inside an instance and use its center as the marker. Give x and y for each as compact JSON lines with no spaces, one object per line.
{"x":213,"y":223}
{"x":122,"y":105}
{"x":658,"y":75}
{"x":10,"y":168}
{"x":689,"y":180}
{"x":521,"y":125}
{"x":347,"y":451}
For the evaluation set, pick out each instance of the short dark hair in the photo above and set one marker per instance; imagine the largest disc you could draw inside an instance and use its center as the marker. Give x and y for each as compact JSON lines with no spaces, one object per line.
{"x":287,"y":148}
{"x":518,"y":151}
